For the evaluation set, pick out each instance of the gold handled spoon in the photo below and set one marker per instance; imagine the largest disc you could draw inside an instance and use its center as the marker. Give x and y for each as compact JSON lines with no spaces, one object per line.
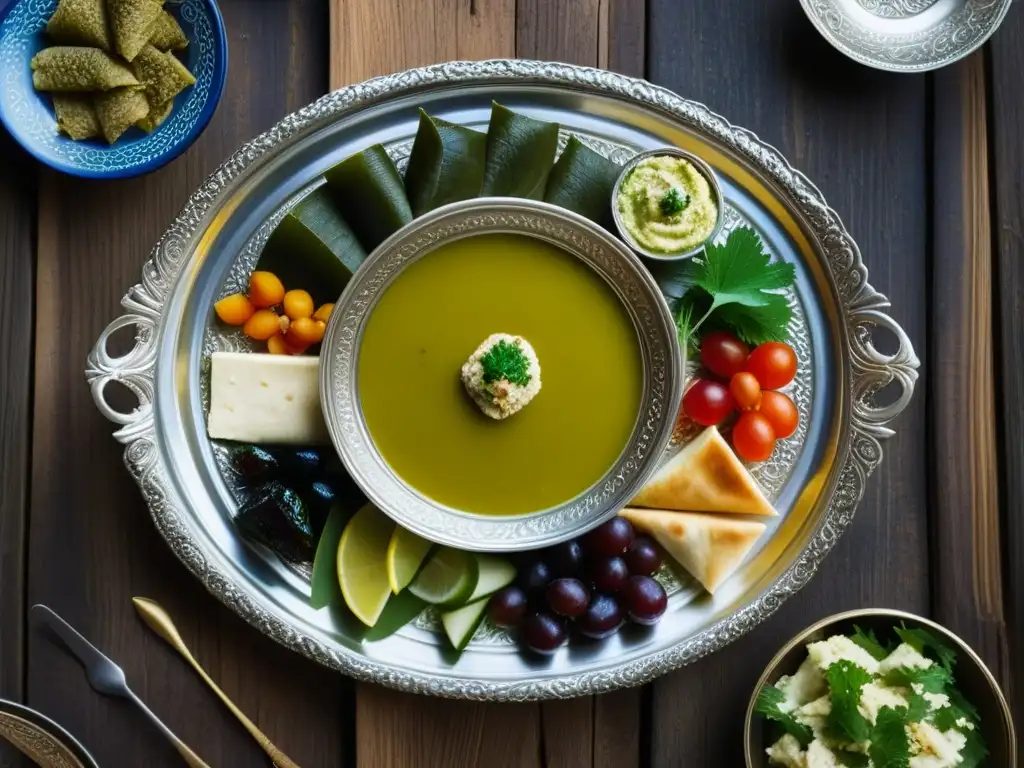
{"x":160,"y":622}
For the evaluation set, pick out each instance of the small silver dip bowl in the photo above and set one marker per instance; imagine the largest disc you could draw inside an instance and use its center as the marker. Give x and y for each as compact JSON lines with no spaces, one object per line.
{"x":703,"y":168}
{"x":579,"y":237}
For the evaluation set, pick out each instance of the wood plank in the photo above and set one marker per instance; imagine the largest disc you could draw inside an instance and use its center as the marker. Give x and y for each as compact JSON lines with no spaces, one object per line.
{"x":968,"y":594}
{"x":370,"y":38}
{"x":838,"y":122}
{"x":93,"y":545}
{"x":17,"y":211}
{"x":1007,"y":127}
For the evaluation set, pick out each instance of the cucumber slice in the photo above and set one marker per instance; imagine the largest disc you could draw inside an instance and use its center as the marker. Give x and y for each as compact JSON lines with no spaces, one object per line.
{"x":461,"y":624}
{"x":448,"y":578}
{"x":324,"y":586}
{"x":494,"y":573}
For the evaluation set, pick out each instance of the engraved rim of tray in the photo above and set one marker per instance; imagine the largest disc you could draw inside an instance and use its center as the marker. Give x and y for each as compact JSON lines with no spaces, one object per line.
{"x":861,"y":310}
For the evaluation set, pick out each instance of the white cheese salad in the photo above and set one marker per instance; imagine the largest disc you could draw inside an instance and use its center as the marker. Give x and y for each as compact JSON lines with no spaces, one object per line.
{"x":858,"y":702}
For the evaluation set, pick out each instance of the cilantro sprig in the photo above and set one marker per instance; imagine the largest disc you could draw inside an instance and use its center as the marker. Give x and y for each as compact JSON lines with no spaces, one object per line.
{"x":890,"y":745}
{"x":769,"y":706}
{"x":734,"y":285}
{"x":846,"y":680}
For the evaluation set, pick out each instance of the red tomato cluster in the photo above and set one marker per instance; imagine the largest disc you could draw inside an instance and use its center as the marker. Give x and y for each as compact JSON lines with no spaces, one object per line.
{"x":752,"y":377}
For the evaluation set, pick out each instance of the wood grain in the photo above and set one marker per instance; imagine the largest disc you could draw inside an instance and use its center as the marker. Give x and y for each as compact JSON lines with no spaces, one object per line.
{"x":370,"y":38}
{"x":858,"y":136}
{"x":1007,"y":127}
{"x":93,"y":545}
{"x":968,"y":591}
{"x":17,"y":211}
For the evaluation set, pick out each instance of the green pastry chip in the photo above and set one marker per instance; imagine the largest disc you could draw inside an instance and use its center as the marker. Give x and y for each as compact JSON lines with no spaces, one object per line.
{"x":76,"y":117}
{"x":76,"y":68}
{"x":120,"y":109}
{"x":133,"y":23}
{"x":162,"y":75}
{"x":80,"y":22}
{"x":168,"y":34}
{"x":156,"y":117}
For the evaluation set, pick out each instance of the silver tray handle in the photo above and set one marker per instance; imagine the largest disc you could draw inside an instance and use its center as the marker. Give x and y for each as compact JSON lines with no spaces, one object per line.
{"x":874,"y":370}
{"x":135,"y":369}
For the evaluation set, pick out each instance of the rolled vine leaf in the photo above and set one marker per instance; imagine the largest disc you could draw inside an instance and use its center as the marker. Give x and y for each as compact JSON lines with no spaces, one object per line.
{"x":446,"y":164}
{"x":369,"y":191}
{"x":520,"y":153}
{"x":582,"y":181}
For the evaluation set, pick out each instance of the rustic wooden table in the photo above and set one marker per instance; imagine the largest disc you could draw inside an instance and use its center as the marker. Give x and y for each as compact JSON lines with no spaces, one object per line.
{"x":927,"y":171}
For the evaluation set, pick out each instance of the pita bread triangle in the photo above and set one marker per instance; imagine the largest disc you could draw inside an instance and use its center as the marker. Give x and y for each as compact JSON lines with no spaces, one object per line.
{"x":710,"y":547}
{"x":705,"y":476}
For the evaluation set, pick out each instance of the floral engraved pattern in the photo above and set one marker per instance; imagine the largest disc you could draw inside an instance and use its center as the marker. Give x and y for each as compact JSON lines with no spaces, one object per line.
{"x":859,"y":307}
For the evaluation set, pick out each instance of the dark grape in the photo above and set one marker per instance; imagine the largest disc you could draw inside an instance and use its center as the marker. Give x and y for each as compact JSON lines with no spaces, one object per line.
{"x":608,"y":574}
{"x":507,"y":607}
{"x":602,"y":618}
{"x":609,"y":539}
{"x":542,"y":632}
{"x":643,"y":557}
{"x":565,"y":559}
{"x":567,"y":597}
{"x":535,"y":576}
{"x":644,"y":599}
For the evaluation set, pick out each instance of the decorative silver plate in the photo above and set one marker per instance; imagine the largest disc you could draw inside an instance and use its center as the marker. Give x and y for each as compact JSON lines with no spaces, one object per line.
{"x":906,"y":35}
{"x":594,"y":246}
{"x":815,"y":479}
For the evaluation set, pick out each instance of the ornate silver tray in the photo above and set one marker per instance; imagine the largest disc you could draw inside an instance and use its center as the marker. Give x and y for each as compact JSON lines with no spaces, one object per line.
{"x":906,"y":35}
{"x":815,"y":478}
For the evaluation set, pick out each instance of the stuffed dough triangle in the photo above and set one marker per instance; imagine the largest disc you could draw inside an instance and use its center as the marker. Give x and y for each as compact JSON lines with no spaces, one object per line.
{"x":705,"y":476}
{"x":710,"y":547}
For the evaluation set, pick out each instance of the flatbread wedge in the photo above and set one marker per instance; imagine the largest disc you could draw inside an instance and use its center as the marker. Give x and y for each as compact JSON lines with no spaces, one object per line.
{"x":710,"y":547}
{"x":705,"y":476}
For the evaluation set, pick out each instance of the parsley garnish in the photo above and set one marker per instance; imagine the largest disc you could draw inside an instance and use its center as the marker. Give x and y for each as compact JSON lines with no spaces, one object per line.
{"x":673,"y":201}
{"x":769,"y":699}
{"x":505,"y":361}
{"x":733,"y":282}
{"x":922,"y":641}
{"x":890,"y":745}
{"x":869,"y":643}
{"x":846,"y":681}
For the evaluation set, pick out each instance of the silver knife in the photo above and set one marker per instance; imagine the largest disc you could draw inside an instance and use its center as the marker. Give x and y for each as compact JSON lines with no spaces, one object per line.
{"x":106,"y":677}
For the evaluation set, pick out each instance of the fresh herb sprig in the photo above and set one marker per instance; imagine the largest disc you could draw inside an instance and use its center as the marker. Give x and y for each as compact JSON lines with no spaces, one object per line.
{"x":733,"y":285}
{"x":769,"y":706}
{"x":505,"y":361}
{"x":673,"y":201}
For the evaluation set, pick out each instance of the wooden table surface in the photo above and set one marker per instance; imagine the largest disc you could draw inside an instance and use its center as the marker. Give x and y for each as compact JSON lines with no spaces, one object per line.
{"x":927,"y":172}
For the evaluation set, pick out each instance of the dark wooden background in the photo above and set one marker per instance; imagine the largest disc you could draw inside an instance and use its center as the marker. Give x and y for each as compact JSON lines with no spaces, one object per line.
{"x":927,"y":171}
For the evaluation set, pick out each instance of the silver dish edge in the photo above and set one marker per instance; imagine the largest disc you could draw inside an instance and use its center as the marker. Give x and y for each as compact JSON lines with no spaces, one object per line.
{"x":862,"y":311}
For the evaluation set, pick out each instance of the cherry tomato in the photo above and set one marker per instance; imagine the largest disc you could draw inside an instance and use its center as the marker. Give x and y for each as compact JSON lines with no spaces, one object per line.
{"x":707,"y":402}
{"x":745,"y":391}
{"x":753,"y":436}
{"x":723,"y":354}
{"x":780,"y":412}
{"x":773,"y":363}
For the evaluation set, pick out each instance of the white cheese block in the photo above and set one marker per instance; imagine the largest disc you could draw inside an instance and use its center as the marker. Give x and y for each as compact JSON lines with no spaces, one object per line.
{"x":272,"y":399}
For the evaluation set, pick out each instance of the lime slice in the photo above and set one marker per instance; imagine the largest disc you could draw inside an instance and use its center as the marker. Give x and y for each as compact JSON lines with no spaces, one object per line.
{"x":493,"y":573}
{"x":406,"y":554}
{"x":448,"y":578}
{"x":460,"y":624}
{"x":362,"y":563}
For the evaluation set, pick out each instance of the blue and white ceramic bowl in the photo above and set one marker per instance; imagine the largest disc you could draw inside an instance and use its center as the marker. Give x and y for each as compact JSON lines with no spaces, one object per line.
{"x":29,"y":117}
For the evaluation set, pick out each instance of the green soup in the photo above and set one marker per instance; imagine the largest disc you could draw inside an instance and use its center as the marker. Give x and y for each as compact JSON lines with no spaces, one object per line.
{"x":435,"y":314}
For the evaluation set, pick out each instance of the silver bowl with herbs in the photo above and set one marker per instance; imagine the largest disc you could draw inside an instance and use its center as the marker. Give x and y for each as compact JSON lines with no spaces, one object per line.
{"x":878,"y":685}
{"x":575,"y":356}
{"x":667,"y":204}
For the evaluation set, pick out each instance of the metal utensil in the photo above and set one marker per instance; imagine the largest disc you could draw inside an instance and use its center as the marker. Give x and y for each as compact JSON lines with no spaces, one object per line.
{"x":159,"y":621}
{"x":106,"y":677}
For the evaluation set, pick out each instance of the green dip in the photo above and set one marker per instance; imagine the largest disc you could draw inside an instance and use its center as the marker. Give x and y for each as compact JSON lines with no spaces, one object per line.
{"x":666,"y":205}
